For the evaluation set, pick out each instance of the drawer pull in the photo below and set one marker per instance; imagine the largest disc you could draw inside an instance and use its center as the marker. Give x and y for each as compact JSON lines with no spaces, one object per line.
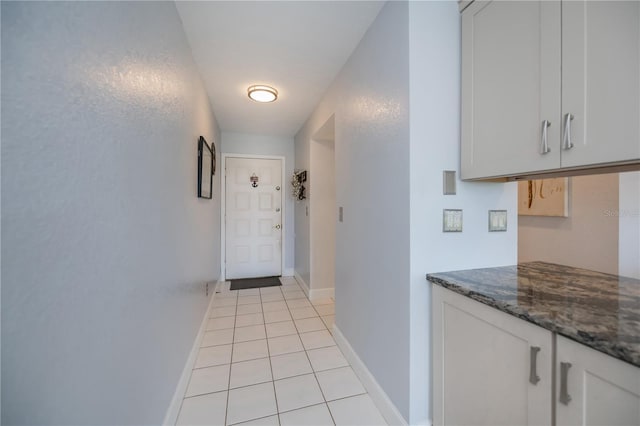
{"x":544,"y":141}
{"x":565,"y":398}
{"x":566,"y":138}
{"x":533,"y":373}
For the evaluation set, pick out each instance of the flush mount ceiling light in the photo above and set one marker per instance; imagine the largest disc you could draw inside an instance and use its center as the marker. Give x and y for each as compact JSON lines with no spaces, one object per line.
{"x":261,"y":93}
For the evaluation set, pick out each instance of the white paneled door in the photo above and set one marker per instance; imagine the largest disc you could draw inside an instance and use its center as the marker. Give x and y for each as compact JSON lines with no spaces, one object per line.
{"x":253,"y":222}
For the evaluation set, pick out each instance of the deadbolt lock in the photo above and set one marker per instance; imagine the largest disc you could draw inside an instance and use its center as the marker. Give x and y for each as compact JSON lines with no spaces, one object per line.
{"x":278,"y":226}
{"x":277,"y":188}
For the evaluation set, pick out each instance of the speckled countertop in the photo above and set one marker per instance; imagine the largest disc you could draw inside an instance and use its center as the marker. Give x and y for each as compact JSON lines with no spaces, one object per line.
{"x":599,"y":310}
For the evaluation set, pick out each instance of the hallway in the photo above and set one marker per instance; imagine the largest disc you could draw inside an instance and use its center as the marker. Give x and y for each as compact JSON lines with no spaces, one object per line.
{"x":268,"y":358}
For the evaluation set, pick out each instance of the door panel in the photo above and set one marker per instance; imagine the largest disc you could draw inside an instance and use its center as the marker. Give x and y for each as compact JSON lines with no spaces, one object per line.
{"x":510,"y":84}
{"x":601,"y":80}
{"x":253,"y":222}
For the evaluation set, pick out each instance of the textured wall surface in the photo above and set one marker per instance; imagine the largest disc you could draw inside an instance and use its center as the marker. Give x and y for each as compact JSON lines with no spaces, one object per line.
{"x":243,"y":143}
{"x":105,"y":246}
{"x":370,"y":100}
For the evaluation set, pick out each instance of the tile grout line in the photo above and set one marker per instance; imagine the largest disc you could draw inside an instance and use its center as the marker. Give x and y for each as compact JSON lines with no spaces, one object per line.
{"x":273,"y":382}
{"x":233,"y":336}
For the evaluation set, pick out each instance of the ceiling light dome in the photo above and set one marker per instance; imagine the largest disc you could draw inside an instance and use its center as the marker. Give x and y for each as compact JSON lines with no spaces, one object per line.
{"x":260,"y":93}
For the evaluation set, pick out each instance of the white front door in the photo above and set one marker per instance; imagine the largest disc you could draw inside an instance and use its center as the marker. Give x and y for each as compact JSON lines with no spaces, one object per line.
{"x":253,"y":225}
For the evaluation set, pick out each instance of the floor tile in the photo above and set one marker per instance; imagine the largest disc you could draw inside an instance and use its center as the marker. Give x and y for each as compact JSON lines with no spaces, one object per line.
{"x":298,"y":303}
{"x":326,"y":358}
{"x":296,"y":294}
{"x":357,"y":410}
{"x":217,"y":337}
{"x":275,"y":297}
{"x":274,"y":306}
{"x":289,"y":365}
{"x":297,"y":392}
{"x":250,"y":373}
{"x":277,"y":329}
{"x":339,"y":383}
{"x":249,"y":319}
{"x":203,"y":410}
{"x":249,"y":309}
{"x":325,"y":309}
{"x":225,"y":311}
{"x":270,"y":290}
{"x":252,"y":332}
{"x":326,"y":301}
{"x":299,"y":313}
{"x":246,"y":300}
{"x":276,"y":316}
{"x":309,"y":324}
{"x":250,"y":350}
{"x":220,"y":323}
{"x":207,"y":380}
{"x":316,"y":339}
{"x":284,"y":345}
{"x":264,"y":421}
{"x":249,"y":292}
{"x":218,"y":303}
{"x":225,"y":294}
{"x":251,"y":402}
{"x":316,"y":415}
{"x":213,"y":355}
{"x":329,"y":320}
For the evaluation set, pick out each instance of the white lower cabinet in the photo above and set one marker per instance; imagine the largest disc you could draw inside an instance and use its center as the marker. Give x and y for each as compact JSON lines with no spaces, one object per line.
{"x":485,"y":364}
{"x":594,"y":388}
{"x":488,"y":370}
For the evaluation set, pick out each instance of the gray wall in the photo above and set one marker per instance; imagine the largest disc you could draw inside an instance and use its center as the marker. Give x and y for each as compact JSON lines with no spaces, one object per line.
{"x":105,"y":246}
{"x":370,"y":99}
{"x":245,"y":143}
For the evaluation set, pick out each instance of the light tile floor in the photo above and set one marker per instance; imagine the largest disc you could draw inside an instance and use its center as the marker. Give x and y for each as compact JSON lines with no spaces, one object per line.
{"x":268,"y":358}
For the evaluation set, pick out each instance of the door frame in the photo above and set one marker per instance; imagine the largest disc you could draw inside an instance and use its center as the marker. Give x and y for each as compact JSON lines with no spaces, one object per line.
{"x":223,"y":201}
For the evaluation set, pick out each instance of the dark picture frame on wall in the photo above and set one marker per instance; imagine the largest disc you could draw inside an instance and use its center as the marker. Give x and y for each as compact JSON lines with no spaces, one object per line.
{"x":206,"y":168}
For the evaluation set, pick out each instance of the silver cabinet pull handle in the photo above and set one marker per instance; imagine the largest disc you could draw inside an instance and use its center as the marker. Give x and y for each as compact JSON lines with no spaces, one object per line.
{"x":565,"y":398}
{"x":533,"y":373}
{"x":544,"y":142}
{"x":566,"y":137}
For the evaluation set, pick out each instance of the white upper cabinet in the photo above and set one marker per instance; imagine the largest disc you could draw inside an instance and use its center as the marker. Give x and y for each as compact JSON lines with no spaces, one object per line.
{"x":540,"y":76}
{"x":601,"y":81}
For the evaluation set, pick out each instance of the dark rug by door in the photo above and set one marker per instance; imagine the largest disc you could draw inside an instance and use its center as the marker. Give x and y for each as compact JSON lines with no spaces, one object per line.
{"x":254,"y":283}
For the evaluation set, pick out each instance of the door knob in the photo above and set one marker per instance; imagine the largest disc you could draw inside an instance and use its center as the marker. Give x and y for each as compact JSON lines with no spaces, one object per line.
{"x":278,"y":209}
{"x":278,"y":226}
{"x":277,"y":188}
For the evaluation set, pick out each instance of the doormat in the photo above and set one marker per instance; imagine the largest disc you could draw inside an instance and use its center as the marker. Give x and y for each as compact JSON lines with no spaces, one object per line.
{"x":254,"y":283}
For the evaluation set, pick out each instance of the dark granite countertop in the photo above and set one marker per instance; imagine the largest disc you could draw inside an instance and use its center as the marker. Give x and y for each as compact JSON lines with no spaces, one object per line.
{"x":599,"y":310}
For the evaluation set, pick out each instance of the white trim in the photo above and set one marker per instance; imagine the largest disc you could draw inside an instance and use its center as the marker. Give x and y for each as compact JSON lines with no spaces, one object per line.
{"x":387,"y":408}
{"x":223,"y":221}
{"x":171,"y":416}
{"x":322,"y":293}
{"x":303,"y":284}
{"x":288,"y":272}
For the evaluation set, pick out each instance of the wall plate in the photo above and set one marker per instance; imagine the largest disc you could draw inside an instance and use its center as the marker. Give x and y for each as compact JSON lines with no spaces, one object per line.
{"x":452,"y":220}
{"x":497,"y":220}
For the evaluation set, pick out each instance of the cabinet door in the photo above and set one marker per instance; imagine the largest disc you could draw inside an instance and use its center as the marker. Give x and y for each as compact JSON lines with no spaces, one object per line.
{"x":603,"y":390}
{"x":601,"y":80}
{"x":510,"y":85}
{"x":482,"y":365}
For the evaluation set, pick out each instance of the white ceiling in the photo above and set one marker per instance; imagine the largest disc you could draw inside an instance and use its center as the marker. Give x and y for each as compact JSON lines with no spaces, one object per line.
{"x":298,"y":47}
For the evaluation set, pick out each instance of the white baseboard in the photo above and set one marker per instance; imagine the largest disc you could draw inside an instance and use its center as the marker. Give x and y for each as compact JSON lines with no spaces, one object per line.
{"x":380,"y":398}
{"x":287,"y":272}
{"x":303,"y":284}
{"x":322,"y":293}
{"x":171,"y":416}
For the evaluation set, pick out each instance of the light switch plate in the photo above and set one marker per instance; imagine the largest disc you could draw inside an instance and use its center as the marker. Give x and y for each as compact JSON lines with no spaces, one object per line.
{"x":449,"y":182}
{"x":497,"y":220}
{"x":451,"y":220}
